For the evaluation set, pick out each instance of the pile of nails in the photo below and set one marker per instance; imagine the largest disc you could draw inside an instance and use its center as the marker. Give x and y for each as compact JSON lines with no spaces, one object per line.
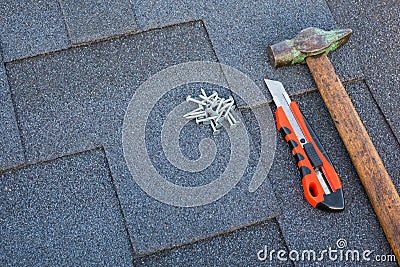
{"x":212,"y":110}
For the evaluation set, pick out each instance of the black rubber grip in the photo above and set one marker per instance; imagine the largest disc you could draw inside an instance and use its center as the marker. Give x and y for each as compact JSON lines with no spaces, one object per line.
{"x":316,"y":141}
{"x":312,"y":155}
{"x":285,"y":131}
{"x":298,"y":157}
{"x":304,"y":171}
{"x":292,"y":144}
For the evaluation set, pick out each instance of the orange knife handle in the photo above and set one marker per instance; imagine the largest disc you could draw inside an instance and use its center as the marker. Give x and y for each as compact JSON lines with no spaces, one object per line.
{"x":313,"y":190}
{"x":326,"y":167}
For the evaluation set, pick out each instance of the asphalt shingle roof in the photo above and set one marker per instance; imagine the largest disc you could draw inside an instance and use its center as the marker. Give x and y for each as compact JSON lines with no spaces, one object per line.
{"x":52,"y":210}
{"x":70,"y":70}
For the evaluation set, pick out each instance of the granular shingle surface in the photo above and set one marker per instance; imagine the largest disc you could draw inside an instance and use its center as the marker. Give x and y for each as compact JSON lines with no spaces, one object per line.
{"x":158,"y":13}
{"x":71,"y":70}
{"x":62,"y":212}
{"x":11,"y":151}
{"x":31,"y":27}
{"x":74,"y":100}
{"x":91,"y":20}
{"x":239,"y":248}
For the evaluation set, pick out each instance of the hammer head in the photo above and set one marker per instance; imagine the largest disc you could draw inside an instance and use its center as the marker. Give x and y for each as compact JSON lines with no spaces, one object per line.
{"x":309,"y":42}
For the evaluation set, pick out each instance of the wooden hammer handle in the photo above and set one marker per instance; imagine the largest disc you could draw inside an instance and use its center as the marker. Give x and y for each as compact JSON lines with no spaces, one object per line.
{"x":380,"y":189}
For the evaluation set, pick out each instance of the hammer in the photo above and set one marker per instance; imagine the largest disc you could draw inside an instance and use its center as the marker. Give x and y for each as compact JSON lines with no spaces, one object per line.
{"x":311,"y":46}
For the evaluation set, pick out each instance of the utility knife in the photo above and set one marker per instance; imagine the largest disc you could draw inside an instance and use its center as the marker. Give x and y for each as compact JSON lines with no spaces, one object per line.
{"x":321,"y":183}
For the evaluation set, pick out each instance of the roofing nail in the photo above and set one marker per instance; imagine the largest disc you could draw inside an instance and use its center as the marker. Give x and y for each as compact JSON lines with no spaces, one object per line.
{"x":190,"y":99}
{"x":203,"y":92}
{"x":230,"y":99}
{"x":213,"y":126}
{"x":232,"y":122}
{"x":220,"y":105}
{"x":198,"y":111}
{"x":211,"y":112}
{"x":214,"y":103}
{"x":194,"y":116}
{"x":227,"y":108}
{"x":199,"y":118}
{"x":207,"y":119}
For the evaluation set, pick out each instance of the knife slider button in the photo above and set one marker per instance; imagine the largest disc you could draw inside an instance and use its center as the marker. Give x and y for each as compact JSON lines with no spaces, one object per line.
{"x":312,"y":155}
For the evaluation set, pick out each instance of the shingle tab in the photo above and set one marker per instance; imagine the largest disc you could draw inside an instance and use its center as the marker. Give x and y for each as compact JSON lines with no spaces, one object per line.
{"x":92,"y":20}
{"x":30,"y":28}
{"x":11,"y":151}
{"x":62,"y":212}
{"x":158,"y":13}
{"x":239,"y":248}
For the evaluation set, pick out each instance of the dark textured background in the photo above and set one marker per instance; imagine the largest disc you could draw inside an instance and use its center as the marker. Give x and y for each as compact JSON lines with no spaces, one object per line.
{"x":67,"y":73}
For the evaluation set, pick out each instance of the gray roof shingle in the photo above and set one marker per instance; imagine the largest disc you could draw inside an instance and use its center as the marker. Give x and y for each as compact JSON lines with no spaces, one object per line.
{"x":93,"y":20}
{"x":63,"y":212}
{"x":11,"y":150}
{"x":241,"y":31}
{"x":31,"y":27}
{"x":238,"y":248}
